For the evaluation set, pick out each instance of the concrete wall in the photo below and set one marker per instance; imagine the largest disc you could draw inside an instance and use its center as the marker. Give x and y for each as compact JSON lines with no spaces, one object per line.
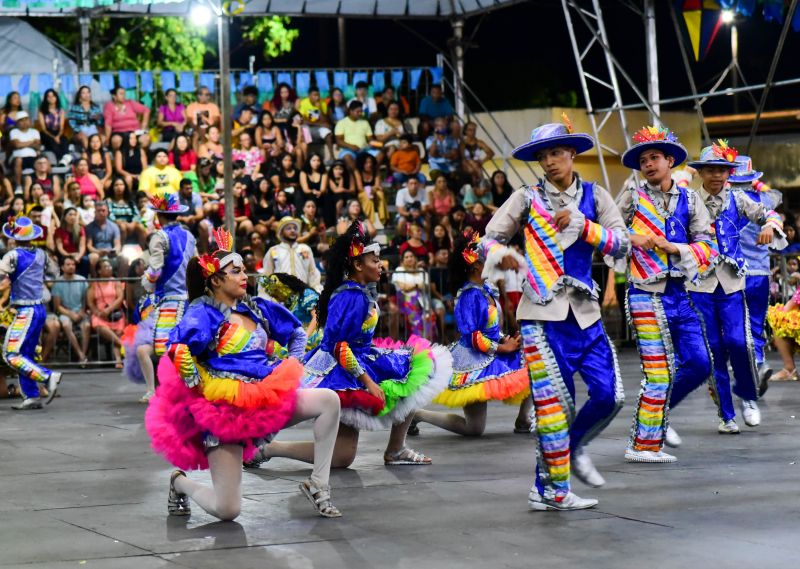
{"x":519,"y":124}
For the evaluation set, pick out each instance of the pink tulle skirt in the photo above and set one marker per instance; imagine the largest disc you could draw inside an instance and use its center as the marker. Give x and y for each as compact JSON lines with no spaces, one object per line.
{"x":178,"y":417}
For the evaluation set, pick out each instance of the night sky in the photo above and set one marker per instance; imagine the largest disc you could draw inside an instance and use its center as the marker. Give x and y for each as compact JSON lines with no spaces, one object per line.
{"x":523,"y":57}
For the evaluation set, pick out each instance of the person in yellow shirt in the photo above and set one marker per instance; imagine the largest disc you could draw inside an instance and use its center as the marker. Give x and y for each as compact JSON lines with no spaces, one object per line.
{"x":315,"y":116}
{"x":161,"y":176}
{"x":354,"y":136}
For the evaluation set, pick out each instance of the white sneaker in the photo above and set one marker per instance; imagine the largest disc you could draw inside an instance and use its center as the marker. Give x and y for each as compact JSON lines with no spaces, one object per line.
{"x":751,"y":413}
{"x":147,"y":396}
{"x":584,"y":470}
{"x":539,"y":503}
{"x":648,"y":456}
{"x":672,"y":439}
{"x":52,"y":386}
{"x":728,"y":427}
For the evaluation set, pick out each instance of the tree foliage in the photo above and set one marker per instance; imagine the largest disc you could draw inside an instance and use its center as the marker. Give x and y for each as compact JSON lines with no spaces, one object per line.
{"x":272,"y":34}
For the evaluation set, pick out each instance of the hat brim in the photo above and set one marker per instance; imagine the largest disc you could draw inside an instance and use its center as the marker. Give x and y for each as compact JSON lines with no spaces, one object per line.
{"x":287,"y":224}
{"x":751,"y":177}
{"x":630,"y":159}
{"x":701,"y":163}
{"x":181,"y":209}
{"x":528,"y":152}
{"x":37,"y":232}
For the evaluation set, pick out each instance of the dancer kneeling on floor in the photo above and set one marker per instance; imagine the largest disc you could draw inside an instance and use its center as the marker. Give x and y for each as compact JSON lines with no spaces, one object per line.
{"x":220,"y":397}
{"x":486,"y":365}
{"x":378,"y":388}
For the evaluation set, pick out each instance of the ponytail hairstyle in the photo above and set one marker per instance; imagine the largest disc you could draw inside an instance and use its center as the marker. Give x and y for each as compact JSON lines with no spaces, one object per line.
{"x":458,"y":265}
{"x":347,"y":249}
{"x":197,"y":284}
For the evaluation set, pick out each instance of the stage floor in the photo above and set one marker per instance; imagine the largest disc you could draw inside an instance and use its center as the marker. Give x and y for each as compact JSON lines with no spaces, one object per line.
{"x":79,"y":487}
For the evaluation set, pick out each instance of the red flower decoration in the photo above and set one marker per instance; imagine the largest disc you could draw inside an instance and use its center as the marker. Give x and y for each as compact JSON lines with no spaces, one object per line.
{"x":209,"y":265}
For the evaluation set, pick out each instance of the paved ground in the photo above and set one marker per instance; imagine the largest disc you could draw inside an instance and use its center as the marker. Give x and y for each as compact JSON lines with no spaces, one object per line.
{"x":80,"y":487}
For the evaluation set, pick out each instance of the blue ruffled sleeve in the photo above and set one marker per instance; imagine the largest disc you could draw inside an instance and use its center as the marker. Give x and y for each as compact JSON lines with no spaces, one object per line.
{"x":284,"y":327}
{"x":472,"y":316}
{"x":347,"y":311}
{"x":197,"y":328}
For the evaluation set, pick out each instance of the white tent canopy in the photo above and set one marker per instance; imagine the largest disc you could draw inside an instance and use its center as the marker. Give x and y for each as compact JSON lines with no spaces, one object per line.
{"x":22,"y":45}
{"x":427,"y":9}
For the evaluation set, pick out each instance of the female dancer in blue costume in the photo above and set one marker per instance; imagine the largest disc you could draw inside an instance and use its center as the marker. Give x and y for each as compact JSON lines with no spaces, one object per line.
{"x":300,"y":299}
{"x":220,"y":396}
{"x":486,"y":365}
{"x":377,"y":388}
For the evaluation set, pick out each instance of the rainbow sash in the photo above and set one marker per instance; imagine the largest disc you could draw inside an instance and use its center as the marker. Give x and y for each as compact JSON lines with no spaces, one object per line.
{"x":647,"y":265}
{"x":544,"y":253}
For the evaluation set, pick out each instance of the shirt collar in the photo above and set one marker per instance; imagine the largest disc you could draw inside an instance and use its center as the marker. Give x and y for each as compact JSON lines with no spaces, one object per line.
{"x":710,"y":198}
{"x":672,"y":191}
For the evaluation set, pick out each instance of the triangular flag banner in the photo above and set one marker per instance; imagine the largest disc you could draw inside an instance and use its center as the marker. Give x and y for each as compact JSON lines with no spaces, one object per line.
{"x":127,"y":80}
{"x":146,"y":82}
{"x":284,"y":77}
{"x":24,"y":85}
{"x":773,"y":11}
{"x":186,"y":84}
{"x":146,"y":99}
{"x":63,"y":99}
{"x":340,"y":79}
{"x":358,"y":77}
{"x":710,"y":22}
{"x":323,"y":84}
{"x":44,"y":81}
{"x":302,"y":83}
{"x":167,"y":80}
{"x":413,"y":78}
{"x":208,"y":81}
{"x":692,"y":16}
{"x":106,"y":82}
{"x":67,"y":83}
{"x":265,"y":86}
{"x":437,"y":73}
{"x":245,"y":80}
{"x":397,"y":78}
{"x":86,"y":79}
{"x":34,"y":101}
{"x":5,"y":86}
{"x":378,"y":81}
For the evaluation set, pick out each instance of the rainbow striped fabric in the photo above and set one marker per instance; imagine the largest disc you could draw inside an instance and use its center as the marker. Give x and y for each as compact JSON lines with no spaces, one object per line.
{"x":483,"y":344}
{"x":168,"y":314}
{"x":552,"y":424}
{"x":649,"y":222}
{"x":369,"y":325}
{"x":347,"y":359}
{"x":652,"y":338}
{"x":542,"y":251}
{"x":599,"y":237}
{"x":15,"y":338}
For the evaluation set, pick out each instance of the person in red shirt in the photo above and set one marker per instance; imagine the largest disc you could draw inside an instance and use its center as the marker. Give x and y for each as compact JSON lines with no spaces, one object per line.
{"x":241,"y":209}
{"x":182,"y":156}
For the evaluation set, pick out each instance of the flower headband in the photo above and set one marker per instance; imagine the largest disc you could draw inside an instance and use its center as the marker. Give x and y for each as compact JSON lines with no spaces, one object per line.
{"x":210,"y":264}
{"x":470,"y":252}
{"x":357,"y":247}
{"x":654,"y":134}
{"x":724,"y":151}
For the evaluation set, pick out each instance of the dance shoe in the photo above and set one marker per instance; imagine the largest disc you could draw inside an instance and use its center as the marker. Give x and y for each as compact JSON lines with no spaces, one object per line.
{"x":539,"y":503}
{"x":728,"y":427}
{"x":751,"y":413}
{"x":177,"y":502}
{"x":764,"y":375}
{"x":52,"y":386}
{"x":648,"y":456}
{"x":672,"y":439}
{"x":585,"y":471}
{"x":27,"y":404}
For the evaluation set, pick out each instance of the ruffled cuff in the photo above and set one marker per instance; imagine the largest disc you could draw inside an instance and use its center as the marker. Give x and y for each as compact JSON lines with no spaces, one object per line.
{"x":610,"y":243}
{"x":149,"y":279}
{"x":184,"y":364}
{"x":484,"y":344}
{"x":494,"y":253}
{"x":296,"y":346}
{"x":779,"y":241}
{"x":344,"y":357}
{"x":695,"y":259}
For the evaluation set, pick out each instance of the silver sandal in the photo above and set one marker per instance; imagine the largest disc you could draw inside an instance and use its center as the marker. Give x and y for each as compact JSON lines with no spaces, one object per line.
{"x":177,"y":502}
{"x":406,"y":457}
{"x":320,"y":498}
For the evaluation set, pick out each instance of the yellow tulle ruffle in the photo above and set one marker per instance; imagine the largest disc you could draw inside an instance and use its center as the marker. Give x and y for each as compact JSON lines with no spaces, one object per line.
{"x":784,"y":324}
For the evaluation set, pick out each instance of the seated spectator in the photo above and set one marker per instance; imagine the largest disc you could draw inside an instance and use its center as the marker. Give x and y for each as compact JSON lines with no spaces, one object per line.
{"x":250,"y":102}
{"x":351,"y":213}
{"x":161,"y":176}
{"x":415,"y":244}
{"x":440,"y":239}
{"x":478,"y":218}
{"x":337,"y":106}
{"x":443,"y":150}
{"x":99,"y":160}
{"x":90,"y":185}
{"x":182,"y":155}
{"x":124,"y":213}
{"x":480,"y":194}
{"x":390,"y":129}
{"x":287,"y":178}
{"x":405,"y":162}
{"x":354,"y":136}
{"x":282,"y":107}
{"x":6,"y":189}
{"x":263,"y":215}
{"x":387,"y":98}
{"x":441,"y":297}
{"x":36,"y":192}
{"x":203,"y":113}
{"x":369,"y":106}
{"x":410,"y":279}
{"x":43,"y":175}
{"x":10,"y":111}
{"x":501,"y":189}
{"x":134,"y":289}
{"x":124,"y":116}
{"x":49,"y":217}
{"x":457,"y":220}
{"x":269,"y":138}
{"x":211,"y":146}
{"x":441,"y":199}
{"x":25,"y":143}
{"x":409,"y":203}
{"x":341,"y":187}
{"x":474,"y":153}
{"x":312,"y":229}
{"x":73,"y":195}
{"x":70,"y":239}
{"x":105,"y":300}
{"x":370,"y":190}
{"x":292,"y":257}
{"x":250,"y":154}
{"x":46,"y":239}
{"x":84,"y":116}
{"x":283,"y":207}
{"x":72,"y":315}
{"x":432,"y":107}
{"x":250,"y":266}
{"x":315,"y":116}
{"x":313,"y":180}
{"x":147,"y":216}
{"x":203,"y":179}
{"x":171,"y":118}
{"x":245,"y":126}
{"x":50,"y":122}
{"x":104,"y":242}
{"x":194,"y":219}
{"x":241,"y":208}
{"x":130,"y":161}
{"x":15,"y":208}
{"x":86,"y":206}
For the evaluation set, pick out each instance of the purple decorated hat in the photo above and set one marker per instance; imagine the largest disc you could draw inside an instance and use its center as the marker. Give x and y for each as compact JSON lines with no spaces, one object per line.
{"x":552,"y":135}
{"x":22,"y":229}
{"x":166,"y":202}
{"x":654,"y":138}
{"x":744,"y":173}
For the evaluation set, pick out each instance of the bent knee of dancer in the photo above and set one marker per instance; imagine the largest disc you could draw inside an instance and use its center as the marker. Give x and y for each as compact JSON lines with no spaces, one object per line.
{"x":229,"y":512}
{"x":343,"y":460}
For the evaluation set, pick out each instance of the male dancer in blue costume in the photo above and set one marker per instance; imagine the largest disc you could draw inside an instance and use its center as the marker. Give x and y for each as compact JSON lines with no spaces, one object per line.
{"x":26,"y":267}
{"x":720,"y":297}
{"x":171,"y":248}
{"x":563,"y":221}
{"x":756,"y":291}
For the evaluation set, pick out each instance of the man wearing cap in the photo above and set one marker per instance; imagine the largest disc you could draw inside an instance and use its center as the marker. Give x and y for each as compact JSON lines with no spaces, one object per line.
{"x":161,"y":176}
{"x":720,"y":296}
{"x":26,"y":266}
{"x":745,"y":179}
{"x":671,"y":242}
{"x":171,"y":248}
{"x":25,"y":142}
{"x":291,"y":257}
{"x":563,"y":219}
